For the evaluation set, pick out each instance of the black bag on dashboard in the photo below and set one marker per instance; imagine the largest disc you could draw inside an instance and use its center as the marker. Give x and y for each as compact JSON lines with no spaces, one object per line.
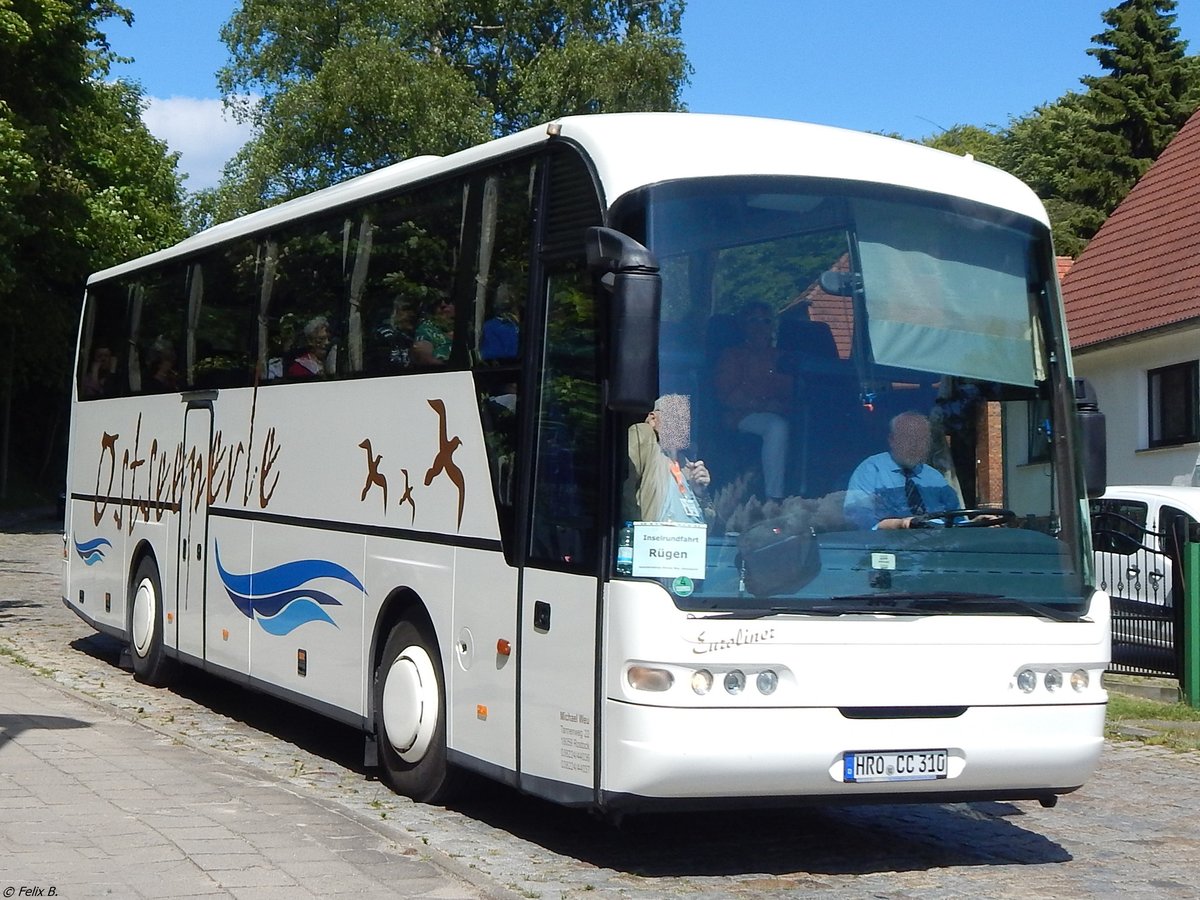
{"x":778,"y":556}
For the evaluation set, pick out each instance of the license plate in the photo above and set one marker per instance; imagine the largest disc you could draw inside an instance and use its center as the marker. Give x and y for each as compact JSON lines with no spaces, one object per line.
{"x":894,"y":765}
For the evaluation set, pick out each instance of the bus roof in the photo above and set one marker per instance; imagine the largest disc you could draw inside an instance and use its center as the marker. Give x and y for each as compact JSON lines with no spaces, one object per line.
{"x":632,"y":150}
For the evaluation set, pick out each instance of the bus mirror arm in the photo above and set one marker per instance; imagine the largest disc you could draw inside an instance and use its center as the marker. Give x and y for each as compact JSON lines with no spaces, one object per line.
{"x":610,"y":251}
{"x":629,"y":273}
{"x":1092,"y":432}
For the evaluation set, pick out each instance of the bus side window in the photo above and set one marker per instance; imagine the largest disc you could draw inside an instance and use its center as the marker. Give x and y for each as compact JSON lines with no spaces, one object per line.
{"x":502,"y":263}
{"x":101,"y":373}
{"x":222,"y":292}
{"x":157,"y":332}
{"x":402,"y":264}
{"x":501,"y":278}
{"x":301,"y":302}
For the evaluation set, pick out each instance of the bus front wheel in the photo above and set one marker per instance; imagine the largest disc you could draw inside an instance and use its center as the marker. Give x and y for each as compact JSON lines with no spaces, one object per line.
{"x":410,"y":716}
{"x":150,"y":662}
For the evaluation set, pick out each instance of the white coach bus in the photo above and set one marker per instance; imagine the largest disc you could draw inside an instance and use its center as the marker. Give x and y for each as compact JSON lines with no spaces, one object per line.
{"x":387,"y":451}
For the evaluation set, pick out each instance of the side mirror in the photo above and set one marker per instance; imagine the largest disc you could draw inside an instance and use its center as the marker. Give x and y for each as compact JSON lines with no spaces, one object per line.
{"x":839,"y":284}
{"x":629,"y":272}
{"x":1094,"y":438}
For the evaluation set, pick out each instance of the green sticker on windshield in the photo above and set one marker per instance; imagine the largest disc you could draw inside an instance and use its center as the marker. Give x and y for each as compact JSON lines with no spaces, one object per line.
{"x":682,"y":586}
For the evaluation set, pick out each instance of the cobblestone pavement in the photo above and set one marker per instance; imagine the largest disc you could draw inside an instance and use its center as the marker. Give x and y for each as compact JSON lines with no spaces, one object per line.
{"x":1130,"y":832}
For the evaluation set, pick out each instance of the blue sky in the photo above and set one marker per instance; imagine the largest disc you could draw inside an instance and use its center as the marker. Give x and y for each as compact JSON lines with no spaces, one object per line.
{"x":910,"y":67}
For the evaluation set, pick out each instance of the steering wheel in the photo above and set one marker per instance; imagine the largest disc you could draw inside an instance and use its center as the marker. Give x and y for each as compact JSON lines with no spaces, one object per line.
{"x":996,"y":516}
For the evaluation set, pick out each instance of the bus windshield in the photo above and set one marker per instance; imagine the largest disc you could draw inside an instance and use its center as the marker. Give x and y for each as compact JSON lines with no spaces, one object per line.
{"x":863,"y":407}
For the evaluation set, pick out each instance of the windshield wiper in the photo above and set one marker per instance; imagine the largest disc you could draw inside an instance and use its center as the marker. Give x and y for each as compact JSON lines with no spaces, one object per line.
{"x":954,"y":601}
{"x":997,"y":604}
{"x":846,"y":605}
{"x":908,"y":596}
{"x":907,"y":604}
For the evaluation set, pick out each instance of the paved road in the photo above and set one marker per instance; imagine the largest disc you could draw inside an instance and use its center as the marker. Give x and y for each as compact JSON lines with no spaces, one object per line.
{"x":1131,"y":831}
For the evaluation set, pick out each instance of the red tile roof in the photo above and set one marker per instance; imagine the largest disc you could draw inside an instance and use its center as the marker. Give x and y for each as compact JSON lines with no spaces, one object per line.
{"x":836,"y":312}
{"x":1142,"y":269}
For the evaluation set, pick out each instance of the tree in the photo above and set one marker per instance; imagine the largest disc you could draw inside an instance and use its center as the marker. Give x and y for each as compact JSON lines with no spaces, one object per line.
{"x":340,"y":88}
{"x":83,"y":185}
{"x":1083,"y":152}
{"x":983,"y":145}
{"x":1150,"y":90}
{"x":1045,"y":149}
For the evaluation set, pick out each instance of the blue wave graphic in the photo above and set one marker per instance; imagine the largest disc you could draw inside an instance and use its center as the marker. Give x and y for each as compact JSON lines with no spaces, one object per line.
{"x":280,"y":599}
{"x":295,"y":614}
{"x":92,"y":552}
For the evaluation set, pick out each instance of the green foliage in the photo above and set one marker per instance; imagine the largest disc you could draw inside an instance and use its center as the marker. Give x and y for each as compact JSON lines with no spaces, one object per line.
{"x":83,"y":185}
{"x":1052,"y":149}
{"x":1083,"y":152}
{"x":340,"y":88}
{"x":1151,"y":86}
{"x":985,"y":146}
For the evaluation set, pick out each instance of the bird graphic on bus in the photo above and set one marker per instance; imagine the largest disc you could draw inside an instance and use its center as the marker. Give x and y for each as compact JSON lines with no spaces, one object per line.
{"x":281,"y":598}
{"x":443,"y":464}
{"x":444,"y":461}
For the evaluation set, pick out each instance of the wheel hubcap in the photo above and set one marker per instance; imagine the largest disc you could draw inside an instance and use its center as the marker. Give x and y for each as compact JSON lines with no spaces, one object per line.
{"x":410,"y":703}
{"x":145,"y":612}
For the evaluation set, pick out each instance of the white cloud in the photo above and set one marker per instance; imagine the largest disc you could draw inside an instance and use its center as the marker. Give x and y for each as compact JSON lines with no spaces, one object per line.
{"x":204,"y":134}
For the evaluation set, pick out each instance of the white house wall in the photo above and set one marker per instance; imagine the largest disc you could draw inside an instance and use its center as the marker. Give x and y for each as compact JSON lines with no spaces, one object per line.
{"x":1119,"y":377}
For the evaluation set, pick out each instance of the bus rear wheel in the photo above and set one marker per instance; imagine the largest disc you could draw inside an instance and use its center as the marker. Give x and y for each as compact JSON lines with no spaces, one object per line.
{"x":150,"y":662}
{"x":410,"y":716}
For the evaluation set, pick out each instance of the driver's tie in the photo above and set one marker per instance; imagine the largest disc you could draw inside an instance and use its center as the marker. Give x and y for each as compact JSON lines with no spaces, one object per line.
{"x":912,"y":493}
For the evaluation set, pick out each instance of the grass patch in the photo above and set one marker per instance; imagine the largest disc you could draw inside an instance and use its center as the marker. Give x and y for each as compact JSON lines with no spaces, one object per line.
{"x":1125,"y":707}
{"x":15,"y":656}
{"x":1173,"y":725}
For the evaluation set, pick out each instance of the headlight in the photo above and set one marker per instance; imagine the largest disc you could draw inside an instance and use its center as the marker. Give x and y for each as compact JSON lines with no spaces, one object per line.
{"x":702,"y":681}
{"x":1027,"y":680}
{"x":767,"y":681}
{"x":1054,"y":680}
{"x":735,"y":681}
{"x":1079,"y":680}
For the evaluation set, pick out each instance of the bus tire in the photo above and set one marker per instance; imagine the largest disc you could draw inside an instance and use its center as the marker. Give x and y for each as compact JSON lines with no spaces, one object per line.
{"x":410,"y":716}
{"x":150,"y":661}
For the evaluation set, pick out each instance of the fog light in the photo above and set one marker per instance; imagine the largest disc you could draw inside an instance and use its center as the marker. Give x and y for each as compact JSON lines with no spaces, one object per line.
{"x":1054,"y":680}
{"x":1027,"y":680}
{"x":735,"y":681}
{"x":646,"y":678}
{"x":767,"y":681}
{"x":1079,"y":680}
{"x":702,"y":681}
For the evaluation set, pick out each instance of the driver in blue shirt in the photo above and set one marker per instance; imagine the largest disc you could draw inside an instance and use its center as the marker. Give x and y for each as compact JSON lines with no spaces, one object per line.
{"x":889,"y":490}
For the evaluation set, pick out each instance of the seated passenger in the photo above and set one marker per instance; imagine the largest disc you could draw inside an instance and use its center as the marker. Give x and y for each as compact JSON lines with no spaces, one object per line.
{"x":101,"y":376}
{"x":393,"y":338}
{"x":755,"y":395}
{"x":435,"y":334}
{"x":160,"y":367}
{"x":889,"y":489}
{"x":659,"y":489}
{"x":316,"y":359}
{"x":501,"y":333}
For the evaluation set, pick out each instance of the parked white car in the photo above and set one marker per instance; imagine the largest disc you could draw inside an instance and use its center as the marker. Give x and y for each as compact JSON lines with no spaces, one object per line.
{"x":1135,"y":533}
